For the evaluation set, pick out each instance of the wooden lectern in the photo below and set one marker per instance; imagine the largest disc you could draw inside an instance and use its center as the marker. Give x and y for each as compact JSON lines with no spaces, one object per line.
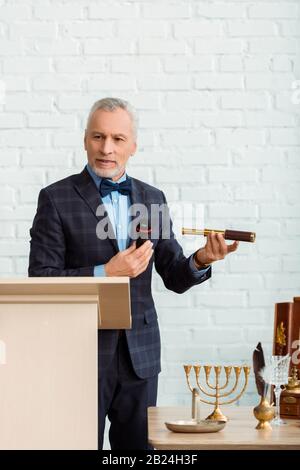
{"x":48,"y":357}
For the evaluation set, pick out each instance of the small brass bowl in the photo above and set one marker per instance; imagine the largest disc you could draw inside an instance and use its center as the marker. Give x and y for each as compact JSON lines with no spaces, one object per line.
{"x":193,"y":426}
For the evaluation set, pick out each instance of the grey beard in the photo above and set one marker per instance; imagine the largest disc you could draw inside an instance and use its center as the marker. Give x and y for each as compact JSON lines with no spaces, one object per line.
{"x":108,"y":173}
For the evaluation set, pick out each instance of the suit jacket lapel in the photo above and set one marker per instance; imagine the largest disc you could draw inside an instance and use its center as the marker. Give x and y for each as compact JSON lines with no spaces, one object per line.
{"x":86,"y":188}
{"x":137,"y":192}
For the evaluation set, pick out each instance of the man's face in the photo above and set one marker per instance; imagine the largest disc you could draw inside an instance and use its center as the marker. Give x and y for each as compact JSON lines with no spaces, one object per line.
{"x":109,"y":141}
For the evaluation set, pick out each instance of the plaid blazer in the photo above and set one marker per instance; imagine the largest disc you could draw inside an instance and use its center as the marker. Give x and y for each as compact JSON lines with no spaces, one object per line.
{"x":64,"y":243}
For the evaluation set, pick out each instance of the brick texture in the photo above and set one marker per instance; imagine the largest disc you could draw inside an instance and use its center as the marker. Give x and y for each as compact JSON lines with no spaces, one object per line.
{"x":217,"y":87}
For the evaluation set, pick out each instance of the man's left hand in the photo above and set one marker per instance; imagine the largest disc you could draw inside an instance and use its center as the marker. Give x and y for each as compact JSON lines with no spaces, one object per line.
{"x":214,"y":250}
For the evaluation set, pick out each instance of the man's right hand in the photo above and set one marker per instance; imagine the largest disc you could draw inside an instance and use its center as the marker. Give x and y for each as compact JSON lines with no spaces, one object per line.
{"x":130,"y":262}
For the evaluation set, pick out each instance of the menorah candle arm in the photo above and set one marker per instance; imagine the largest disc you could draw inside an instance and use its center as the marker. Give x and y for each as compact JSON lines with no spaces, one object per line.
{"x":200,"y":388}
{"x":189,"y":384}
{"x":233,"y":388}
{"x":226,"y":383}
{"x":187,"y":370}
{"x":212,"y":387}
{"x":204,"y":391}
{"x":240,"y":394}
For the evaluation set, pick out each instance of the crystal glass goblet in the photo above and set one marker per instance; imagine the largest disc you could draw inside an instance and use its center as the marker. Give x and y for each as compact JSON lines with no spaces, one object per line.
{"x":279,"y":376}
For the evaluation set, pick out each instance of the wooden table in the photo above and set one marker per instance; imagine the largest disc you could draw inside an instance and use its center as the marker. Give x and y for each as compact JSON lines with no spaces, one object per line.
{"x":238,"y":434}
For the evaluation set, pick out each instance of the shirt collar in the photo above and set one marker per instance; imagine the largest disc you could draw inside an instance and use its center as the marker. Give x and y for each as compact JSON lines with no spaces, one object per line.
{"x":97,"y":179}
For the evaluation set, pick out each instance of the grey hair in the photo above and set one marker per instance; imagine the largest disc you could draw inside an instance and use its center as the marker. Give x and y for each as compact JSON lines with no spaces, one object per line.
{"x":111,"y":104}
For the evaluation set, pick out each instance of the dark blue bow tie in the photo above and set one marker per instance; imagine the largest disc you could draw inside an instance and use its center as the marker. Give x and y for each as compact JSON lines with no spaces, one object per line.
{"x":107,"y":186}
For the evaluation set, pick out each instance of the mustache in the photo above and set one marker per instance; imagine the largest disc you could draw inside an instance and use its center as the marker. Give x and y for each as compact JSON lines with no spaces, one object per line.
{"x":105,"y":160}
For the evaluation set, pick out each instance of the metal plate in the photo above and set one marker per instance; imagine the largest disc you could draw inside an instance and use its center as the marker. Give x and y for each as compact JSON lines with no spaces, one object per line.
{"x":193,"y":426}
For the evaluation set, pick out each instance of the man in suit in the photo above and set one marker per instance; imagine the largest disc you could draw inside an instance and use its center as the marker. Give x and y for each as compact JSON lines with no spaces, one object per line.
{"x":66,"y":241}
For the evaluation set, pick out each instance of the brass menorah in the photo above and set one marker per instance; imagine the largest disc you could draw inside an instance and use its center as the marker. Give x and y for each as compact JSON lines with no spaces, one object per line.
{"x":218,"y":391}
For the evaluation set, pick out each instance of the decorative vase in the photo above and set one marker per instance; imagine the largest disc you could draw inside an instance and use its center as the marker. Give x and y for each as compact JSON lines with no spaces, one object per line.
{"x":264,"y":412}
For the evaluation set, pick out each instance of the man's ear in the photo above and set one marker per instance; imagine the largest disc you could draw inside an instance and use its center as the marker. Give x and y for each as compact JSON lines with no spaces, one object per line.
{"x":84,"y":140}
{"x":133,"y":149}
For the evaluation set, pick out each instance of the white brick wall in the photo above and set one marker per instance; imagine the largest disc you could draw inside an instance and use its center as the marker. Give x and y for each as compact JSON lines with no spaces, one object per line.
{"x":215,"y":85}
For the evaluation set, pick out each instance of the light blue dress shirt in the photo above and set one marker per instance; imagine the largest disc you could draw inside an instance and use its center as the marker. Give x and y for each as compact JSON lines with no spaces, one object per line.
{"x":117,"y":205}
